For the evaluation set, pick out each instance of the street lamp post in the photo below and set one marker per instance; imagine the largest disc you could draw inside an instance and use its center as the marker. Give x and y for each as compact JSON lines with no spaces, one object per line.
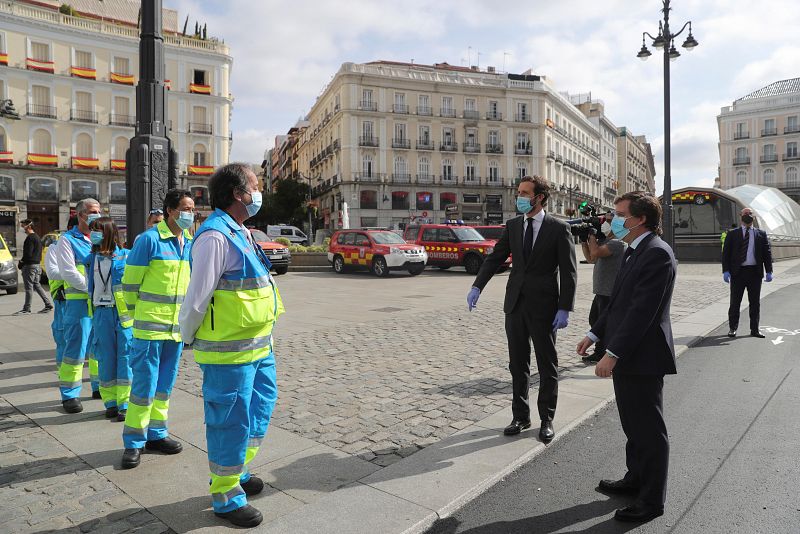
{"x":573,"y":189}
{"x":666,"y":41}
{"x":308,"y":208}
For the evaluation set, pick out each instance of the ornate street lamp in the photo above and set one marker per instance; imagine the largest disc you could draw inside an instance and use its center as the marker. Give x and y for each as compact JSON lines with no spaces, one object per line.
{"x":571,"y":190}
{"x":665,"y":40}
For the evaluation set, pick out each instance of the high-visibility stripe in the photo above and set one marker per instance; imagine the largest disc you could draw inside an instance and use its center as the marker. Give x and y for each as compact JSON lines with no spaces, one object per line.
{"x":243,"y":284}
{"x":72,"y":361}
{"x":132,"y":430}
{"x":254,"y":442}
{"x":224,"y":498}
{"x":225,"y":470}
{"x":161,"y":396}
{"x":156,"y":327}
{"x":232,"y":346}
{"x":131,"y":288}
{"x":161,"y":299}
{"x":157,"y":423}
{"x":73,"y":291}
{"x":142,"y":401}
{"x":69,"y":385}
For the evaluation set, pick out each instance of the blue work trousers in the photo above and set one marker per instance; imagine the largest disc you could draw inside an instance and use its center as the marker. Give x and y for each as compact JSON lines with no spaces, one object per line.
{"x":77,"y":326}
{"x":112,"y":346}
{"x":57,"y":327}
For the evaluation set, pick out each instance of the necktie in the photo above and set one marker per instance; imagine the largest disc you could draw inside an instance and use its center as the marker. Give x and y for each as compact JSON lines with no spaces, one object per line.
{"x":745,"y":245}
{"x":628,"y":254}
{"x":527,"y":242}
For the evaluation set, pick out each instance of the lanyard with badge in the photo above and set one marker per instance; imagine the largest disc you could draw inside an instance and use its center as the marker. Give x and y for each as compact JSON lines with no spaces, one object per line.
{"x":105,"y":299}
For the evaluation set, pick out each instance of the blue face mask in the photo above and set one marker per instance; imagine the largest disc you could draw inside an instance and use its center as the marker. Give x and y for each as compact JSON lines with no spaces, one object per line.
{"x":92,"y":217}
{"x":255,"y":205}
{"x":524,"y":204}
{"x":185,"y":220}
{"x":618,"y":226}
{"x":96,"y":237}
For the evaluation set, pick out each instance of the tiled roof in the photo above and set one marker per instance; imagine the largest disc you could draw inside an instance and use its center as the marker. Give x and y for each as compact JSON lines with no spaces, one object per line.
{"x":783,"y":87}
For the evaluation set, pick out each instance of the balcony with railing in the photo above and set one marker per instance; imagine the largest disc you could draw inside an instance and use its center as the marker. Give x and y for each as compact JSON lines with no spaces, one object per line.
{"x":494,"y":148}
{"x":368,"y":140}
{"x":741,"y":135}
{"x":401,"y":143}
{"x":128,"y":121}
{"x":472,"y":148}
{"x":200,"y":128}
{"x":522,"y":117}
{"x":401,"y":178}
{"x":448,"y":146}
{"x":496,"y":181}
{"x":769,"y":131}
{"x":494,"y":116}
{"x":425,"y":110}
{"x":744,"y":160}
{"x":795,"y":128}
{"x":400,"y":108}
{"x":448,"y":179}
{"x":425,"y":178}
{"x":368,"y":105}
{"x":521,"y":150}
{"x":425,"y":144}
{"x":769,"y":158}
{"x":551,"y":154}
{"x":791,"y":156}
{"x":83,"y":115}
{"x":44,"y":112}
{"x":447,"y":112}
{"x":559,"y":158}
{"x":472,"y":180}
{"x":471,"y":114}
{"x":371,"y":177}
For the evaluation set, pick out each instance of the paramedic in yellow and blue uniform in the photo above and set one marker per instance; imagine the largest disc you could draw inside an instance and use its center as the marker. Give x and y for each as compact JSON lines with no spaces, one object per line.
{"x":230,"y":308}
{"x":154,"y":284}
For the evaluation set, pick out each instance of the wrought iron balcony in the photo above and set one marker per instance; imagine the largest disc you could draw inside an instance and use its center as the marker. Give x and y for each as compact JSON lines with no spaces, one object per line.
{"x":425,"y":144}
{"x":83,"y":115}
{"x":494,"y":116}
{"x":367,"y":140}
{"x":401,"y":143}
{"x":551,"y":154}
{"x":472,"y":180}
{"x":494,"y":182}
{"x":472,"y":148}
{"x":200,"y":128}
{"x":792,"y":129}
{"x":424,"y":110}
{"x":448,"y":146}
{"x":45,"y":112}
{"x":741,"y":135}
{"x":769,"y":131}
{"x":494,"y":148}
{"x":769,"y":158}
{"x":522,"y":117}
{"x":425,"y":178}
{"x":122,"y":120}
{"x":400,"y":108}
{"x":522,"y":150}
{"x":449,"y":179}
{"x":401,"y":178}
{"x":471,"y":114}
{"x":791,"y":157}
{"x":366,"y":177}
{"x":368,"y":105}
{"x":741,"y":161}
{"x":447,"y":112}
{"x":559,"y":159}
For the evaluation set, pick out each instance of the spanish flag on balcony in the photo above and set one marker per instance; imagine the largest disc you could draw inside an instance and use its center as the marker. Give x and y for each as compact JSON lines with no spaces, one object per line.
{"x":200,"y":170}
{"x":118,"y":165}
{"x":3,"y":59}
{"x":42,"y":159}
{"x":85,"y":163}
{"x":6,"y":157}
{"x":125,"y":79}
{"x":80,"y":72}
{"x":41,"y":66}
{"x":168,"y":85}
{"x":199,"y":89}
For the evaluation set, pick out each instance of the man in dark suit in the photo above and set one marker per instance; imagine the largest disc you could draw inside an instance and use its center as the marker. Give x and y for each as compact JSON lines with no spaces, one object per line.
{"x":746,"y":255}
{"x":639,"y":352}
{"x":535,"y":306}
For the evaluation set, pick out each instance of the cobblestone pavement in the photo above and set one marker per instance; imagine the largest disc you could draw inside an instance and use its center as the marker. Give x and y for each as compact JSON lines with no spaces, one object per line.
{"x":386,"y":388}
{"x":44,"y":487}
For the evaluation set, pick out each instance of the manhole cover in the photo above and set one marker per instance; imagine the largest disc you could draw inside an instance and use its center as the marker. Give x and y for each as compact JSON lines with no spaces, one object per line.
{"x":388,"y":310}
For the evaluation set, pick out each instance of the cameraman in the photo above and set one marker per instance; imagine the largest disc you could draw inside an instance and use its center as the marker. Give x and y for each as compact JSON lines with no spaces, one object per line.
{"x":606,"y":255}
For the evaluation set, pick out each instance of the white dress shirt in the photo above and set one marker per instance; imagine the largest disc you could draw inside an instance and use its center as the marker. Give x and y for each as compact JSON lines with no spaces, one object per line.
{"x":66,"y":264}
{"x":50,"y":262}
{"x":211,"y":258}
{"x":751,"y":246}
{"x":536,"y":221}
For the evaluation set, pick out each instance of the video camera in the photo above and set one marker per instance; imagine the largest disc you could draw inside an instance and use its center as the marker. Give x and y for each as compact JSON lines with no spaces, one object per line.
{"x":590,"y":224}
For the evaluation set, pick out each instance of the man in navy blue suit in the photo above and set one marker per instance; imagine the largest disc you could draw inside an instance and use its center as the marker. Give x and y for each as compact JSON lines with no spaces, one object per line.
{"x":639,"y":352}
{"x":746,"y":256}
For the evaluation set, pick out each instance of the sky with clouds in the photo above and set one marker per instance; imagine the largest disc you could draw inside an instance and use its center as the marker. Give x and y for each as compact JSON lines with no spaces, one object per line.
{"x":285,"y":52}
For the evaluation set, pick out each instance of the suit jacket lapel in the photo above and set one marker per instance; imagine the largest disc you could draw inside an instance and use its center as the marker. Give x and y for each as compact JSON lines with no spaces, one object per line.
{"x":627,"y":266}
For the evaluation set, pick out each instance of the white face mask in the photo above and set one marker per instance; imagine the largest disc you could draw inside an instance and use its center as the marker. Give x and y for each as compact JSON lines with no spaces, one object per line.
{"x":606,"y":228}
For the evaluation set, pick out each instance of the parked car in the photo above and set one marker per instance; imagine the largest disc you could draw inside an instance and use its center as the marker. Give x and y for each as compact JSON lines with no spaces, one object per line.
{"x":47,"y":240}
{"x":380,"y":251}
{"x":492,"y":232}
{"x":9,"y":275}
{"x":451,"y":245}
{"x":278,"y":254}
{"x":292,"y":233}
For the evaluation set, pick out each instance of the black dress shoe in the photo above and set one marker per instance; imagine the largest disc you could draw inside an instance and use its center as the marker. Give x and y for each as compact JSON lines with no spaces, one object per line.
{"x":112,"y":412}
{"x":131,"y":458}
{"x":96,"y":395}
{"x":638,"y":513}
{"x":756,"y":333}
{"x":254,"y":486}
{"x":622,"y":487}
{"x":246,"y":516}
{"x":121,"y":415}
{"x":732,"y":333}
{"x":72,"y":405}
{"x":166,"y":445}
{"x":546,"y":433}
{"x":516,"y":427}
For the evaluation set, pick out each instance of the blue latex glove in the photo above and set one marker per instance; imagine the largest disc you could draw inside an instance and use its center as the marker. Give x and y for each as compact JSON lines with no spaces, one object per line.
{"x":561,"y":320}
{"x":769,"y":277}
{"x":726,"y":276}
{"x":472,"y":298}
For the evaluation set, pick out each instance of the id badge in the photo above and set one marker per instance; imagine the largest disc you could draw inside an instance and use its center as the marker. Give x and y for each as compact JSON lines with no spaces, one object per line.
{"x":105,"y":300}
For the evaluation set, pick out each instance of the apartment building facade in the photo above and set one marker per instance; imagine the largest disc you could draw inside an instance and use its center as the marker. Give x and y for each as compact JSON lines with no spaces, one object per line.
{"x":633,"y":165}
{"x":595,"y":112}
{"x":72,"y":80}
{"x":396,"y":142}
{"x":759,"y":136}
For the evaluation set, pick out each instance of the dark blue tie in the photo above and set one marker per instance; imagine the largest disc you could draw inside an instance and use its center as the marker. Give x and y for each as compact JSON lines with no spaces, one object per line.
{"x":527,"y":242}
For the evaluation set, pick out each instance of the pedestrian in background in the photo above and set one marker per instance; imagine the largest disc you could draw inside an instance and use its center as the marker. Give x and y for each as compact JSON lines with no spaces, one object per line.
{"x":606,"y":255}
{"x":154,"y":284}
{"x":539,"y":296}
{"x":746,"y":256}
{"x":71,"y":253}
{"x":111,"y":322}
{"x":231,"y":307}
{"x":31,"y":268}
